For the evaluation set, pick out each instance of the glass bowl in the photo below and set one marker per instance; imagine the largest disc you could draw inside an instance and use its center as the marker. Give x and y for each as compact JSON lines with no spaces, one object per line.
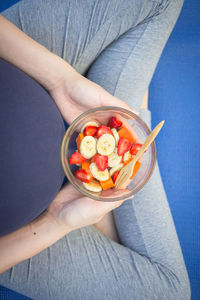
{"x":136,"y":125}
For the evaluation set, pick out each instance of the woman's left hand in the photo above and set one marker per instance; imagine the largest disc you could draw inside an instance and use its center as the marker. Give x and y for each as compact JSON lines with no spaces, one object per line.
{"x":71,"y":210}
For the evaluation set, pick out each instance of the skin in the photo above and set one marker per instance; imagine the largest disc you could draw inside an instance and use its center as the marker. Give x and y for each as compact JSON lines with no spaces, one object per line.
{"x":69,"y":210}
{"x":145,"y":100}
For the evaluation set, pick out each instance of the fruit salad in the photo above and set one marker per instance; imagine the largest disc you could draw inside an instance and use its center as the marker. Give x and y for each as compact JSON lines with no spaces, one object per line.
{"x":102,"y":151}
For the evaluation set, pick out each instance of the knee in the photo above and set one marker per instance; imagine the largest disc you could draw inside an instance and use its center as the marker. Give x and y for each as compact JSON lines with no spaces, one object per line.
{"x":172,"y":5}
{"x":181,"y":287}
{"x":177,"y":4}
{"x":184,"y":291}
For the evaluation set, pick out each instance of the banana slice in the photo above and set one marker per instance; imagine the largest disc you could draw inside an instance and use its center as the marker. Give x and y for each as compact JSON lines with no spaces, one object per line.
{"x":116,"y":135}
{"x":115,"y":169}
{"x":127,"y":156}
{"x":93,"y":186}
{"x":106,"y":144}
{"x":96,"y":173}
{"x":88,"y":146}
{"x":92,"y":123}
{"x":114,"y":159}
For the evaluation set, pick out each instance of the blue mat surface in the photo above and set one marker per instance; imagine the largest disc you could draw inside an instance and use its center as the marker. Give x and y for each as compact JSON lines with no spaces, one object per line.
{"x":174,"y":97}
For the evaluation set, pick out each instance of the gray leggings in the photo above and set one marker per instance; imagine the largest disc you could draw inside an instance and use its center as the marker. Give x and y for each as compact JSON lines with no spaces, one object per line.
{"x":116,"y":43}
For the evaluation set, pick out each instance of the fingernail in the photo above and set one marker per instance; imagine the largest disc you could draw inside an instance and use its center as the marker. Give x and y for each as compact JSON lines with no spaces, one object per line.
{"x":135,"y":112}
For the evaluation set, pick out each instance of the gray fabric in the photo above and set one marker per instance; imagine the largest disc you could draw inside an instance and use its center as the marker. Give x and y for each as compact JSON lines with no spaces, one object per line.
{"x":117,"y":44}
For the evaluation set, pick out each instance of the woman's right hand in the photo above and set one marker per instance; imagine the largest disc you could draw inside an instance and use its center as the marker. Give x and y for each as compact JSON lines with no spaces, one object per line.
{"x":71,"y":210}
{"x":75,"y":94}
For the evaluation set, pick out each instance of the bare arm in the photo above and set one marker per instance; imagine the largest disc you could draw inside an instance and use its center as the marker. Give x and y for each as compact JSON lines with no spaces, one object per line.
{"x":20,"y":50}
{"x":69,"y":211}
{"x":59,"y":78}
{"x":65,"y":86}
{"x":29,"y":241}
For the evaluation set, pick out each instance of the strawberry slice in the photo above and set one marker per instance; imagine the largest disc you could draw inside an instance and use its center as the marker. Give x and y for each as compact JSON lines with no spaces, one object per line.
{"x":83,"y":175}
{"x":76,"y":158}
{"x":92,"y":159}
{"x":90,"y":130}
{"x":102,"y":129}
{"x":101,"y":161}
{"x":123,"y":146}
{"x":135,"y":148}
{"x":115,"y":175}
{"x":114,"y":123}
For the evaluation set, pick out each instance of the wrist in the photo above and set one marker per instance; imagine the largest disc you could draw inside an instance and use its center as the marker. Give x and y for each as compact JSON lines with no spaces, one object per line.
{"x":34,"y":59}
{"x":57,"y":72}
{"x":29,"y":241}
{"x":47,"y":222}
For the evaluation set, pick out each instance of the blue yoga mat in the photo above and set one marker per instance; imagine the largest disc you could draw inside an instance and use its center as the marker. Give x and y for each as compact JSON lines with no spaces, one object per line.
{"x":175,"y":97}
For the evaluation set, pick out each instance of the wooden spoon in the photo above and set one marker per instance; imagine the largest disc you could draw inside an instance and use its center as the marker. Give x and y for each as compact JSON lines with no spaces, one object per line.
{"x":127,"y":171}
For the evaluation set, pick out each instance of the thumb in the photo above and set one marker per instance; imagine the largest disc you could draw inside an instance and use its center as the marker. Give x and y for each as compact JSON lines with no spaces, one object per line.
{"x":109,"y":100}
{"x":121,"y":103}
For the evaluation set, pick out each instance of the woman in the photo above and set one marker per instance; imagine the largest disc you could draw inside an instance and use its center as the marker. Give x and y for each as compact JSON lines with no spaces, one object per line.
{"x":129,"y":253}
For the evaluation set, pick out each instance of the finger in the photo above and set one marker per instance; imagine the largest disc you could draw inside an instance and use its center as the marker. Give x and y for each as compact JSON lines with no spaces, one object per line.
{"x":123,"y":104}
{"x":67,"y":194}
{"x":106,"y":99}
{"x":113,"y":101}
{"x":105,"y":207}
{"x":100,"y":207}
{"x":69,"y":189}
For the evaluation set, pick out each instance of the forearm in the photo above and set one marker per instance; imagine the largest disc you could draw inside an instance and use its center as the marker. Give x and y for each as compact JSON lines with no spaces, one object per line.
{"x":29,"y":241}
{"x":19,"y":49}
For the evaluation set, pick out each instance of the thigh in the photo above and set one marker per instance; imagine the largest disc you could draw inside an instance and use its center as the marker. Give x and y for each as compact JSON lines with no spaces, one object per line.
{"x":125,"y":67}
{"x":87,"y":265}
{"x":119,"y":42}
{"x":77,"y":30}
{"x":83,"y":265}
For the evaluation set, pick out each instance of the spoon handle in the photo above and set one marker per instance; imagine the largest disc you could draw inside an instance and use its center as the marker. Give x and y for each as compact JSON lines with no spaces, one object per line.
{"x":149,"y":140}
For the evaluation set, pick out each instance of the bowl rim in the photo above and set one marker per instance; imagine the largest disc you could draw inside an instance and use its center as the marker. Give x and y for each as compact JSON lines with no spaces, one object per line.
{"x":67,"y":168}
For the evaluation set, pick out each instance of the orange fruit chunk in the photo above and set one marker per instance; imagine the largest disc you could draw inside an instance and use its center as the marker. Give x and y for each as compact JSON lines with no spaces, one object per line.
{"x":128,"y":161}
{"x":136,"y":168}
{"x":125,"y":133}
{"x":85,"y":165}
{"x":79,"y":139}
{"x":107,"y":184}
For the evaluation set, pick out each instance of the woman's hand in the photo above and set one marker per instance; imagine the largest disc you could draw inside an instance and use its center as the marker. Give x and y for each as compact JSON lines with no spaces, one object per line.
{"x":76,"y":94}
{"x":71,"y":210}
{"x":68,"y":211}
{"x":72,"y":92}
